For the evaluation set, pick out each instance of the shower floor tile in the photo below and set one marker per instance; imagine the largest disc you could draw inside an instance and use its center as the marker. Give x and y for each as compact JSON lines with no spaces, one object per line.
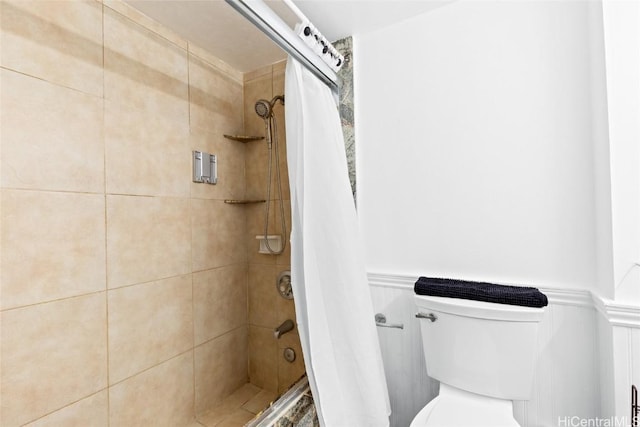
{"x":260,"y":401}
{"x":237,"y":409}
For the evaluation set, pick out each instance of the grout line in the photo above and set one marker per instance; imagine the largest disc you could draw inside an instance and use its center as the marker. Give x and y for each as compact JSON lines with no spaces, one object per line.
{"x":208,"y":341}
{"x":193,"y":346}
{"x":4,"y":67}
{"x":68,"y":405}
{"x":106,"y":224}
{"x":189,"y":54}
{"x":147,"y":282}
{"x":146,"y":27}
{"x":246,"y":320}
{"x":40,"y":190}
{"x":52,"y":301}
{"x":162,"y":362}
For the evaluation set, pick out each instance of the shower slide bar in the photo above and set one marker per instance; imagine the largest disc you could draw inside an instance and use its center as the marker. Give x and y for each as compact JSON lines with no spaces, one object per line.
{"x":265,"y":19}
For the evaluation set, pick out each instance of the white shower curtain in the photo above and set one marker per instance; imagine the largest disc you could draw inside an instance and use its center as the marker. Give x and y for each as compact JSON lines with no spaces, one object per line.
{"x":333,"y":303}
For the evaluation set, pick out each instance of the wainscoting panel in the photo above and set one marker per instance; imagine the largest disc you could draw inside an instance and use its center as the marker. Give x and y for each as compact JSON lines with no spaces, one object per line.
{"x":619,"y":342}
{"x":566,"y":381}
{"x":605,"y":341}
{"x":635,"y":357}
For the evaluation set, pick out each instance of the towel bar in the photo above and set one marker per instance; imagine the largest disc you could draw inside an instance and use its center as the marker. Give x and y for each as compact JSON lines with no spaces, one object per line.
{"x":381,"y":320}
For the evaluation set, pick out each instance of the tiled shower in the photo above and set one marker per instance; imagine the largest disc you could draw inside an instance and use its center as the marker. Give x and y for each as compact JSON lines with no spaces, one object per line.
{"x":129,"y":294}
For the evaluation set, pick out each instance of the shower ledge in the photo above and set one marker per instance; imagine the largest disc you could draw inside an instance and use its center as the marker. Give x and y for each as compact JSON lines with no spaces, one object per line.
{"x":243,"y":138}
{"x":243,"y":202}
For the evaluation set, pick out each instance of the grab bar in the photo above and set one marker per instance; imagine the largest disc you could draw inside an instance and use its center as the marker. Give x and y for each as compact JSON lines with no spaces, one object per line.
{"x":381,"y":320}
{"x":429,"y":316}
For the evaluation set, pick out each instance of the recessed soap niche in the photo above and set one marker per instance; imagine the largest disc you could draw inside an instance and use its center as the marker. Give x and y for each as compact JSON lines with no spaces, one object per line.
{"x":275,"y":243}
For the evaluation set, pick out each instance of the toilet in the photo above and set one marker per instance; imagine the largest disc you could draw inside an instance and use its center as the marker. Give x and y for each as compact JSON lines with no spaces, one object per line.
{"x":483,"y":354}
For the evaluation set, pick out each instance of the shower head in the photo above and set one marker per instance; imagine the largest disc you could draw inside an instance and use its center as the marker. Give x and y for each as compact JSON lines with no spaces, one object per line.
{"x":264,"y":108}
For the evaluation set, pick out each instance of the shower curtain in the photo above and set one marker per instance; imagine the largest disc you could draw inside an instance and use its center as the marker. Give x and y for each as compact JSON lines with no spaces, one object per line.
{"x":333,"y":304}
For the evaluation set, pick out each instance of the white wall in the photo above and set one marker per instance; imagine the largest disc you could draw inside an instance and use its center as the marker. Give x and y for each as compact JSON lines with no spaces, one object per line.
{"x":622,"y":52}
{"x":474,"y":153}
{"x":605,"y":284}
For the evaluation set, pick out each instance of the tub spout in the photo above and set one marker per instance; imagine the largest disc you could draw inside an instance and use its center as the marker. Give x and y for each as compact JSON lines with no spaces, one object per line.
{"x":285,"y":327}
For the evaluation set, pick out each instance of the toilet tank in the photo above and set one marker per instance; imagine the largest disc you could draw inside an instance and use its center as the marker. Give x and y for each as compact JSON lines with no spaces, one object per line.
{"x":481,"y":347}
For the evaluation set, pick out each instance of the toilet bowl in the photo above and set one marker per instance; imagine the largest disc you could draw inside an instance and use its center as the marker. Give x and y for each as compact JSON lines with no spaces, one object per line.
{"x":458,"y":408}
{"x":483,"y":354}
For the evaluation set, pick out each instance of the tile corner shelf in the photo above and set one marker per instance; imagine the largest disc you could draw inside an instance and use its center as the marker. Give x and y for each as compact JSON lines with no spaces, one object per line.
{"x":243,"y":138}
{"x":243,"y":202}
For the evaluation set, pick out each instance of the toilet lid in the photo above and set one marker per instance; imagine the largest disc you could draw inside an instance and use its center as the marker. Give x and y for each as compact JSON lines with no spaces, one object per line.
{"x":464,"y":409}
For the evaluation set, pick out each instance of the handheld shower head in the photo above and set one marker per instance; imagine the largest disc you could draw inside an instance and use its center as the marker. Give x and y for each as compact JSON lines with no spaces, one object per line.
{"x":263,"y":108}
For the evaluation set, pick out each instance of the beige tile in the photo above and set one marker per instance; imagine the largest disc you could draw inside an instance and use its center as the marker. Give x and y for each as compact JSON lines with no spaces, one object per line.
{"x":219,"y":301}
{"x":278,"y":112}
{"x":215,"y":99}
{"x":58,"y":41}
{"x":230,"y":157}
{"x":259,"y":88}
{"x":284,"y":259}
{"x":42,"y":347}
{"x":51,"y":136}
{"x":291,"y":339}
{"x":260,"y":401}
{"x":263,"y":358}
{"x":139,"y":18}
{"x":144,"y":155}
{"x":257,"y":159}
{"x":257,"y":73}
{"x":277,"y":83}
{"x":161,"y":396}
{"x":237,"y":419}
{"x":91,"y":411}
{"x":148,"y":324}
{"x":225,"y":408}
{"x":144,"y":70}
{"x":52,"y":246}
{"x":290,"y":372}
{"x":263,"y":296}
{"x":218,"y":231}
{"x":241,"y":396}
{"x":148,"y":238}
{"x":221,"y":368}
{"x":216,"y":62}
{"x":257,"y":168}
{"x":257,"y":154}
{"x":279,"y":67}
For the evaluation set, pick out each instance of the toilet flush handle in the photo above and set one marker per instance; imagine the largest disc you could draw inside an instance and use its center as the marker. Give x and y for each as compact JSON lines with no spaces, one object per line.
{"x":429,"y":316}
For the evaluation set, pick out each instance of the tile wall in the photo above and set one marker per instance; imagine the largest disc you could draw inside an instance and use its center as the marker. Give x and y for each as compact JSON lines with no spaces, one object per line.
{"x":267,"y":367}
{"x":123,"y":284}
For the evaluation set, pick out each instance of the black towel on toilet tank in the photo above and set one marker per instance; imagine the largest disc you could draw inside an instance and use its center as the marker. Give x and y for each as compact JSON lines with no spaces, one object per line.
{"x":480,"y":291}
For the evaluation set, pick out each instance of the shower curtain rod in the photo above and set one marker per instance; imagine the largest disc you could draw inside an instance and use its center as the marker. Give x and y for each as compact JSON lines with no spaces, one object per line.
{"x":261,"y":15}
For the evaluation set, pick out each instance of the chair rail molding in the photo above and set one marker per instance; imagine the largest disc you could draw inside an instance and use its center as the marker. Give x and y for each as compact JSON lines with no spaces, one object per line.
{"x":617,"y":314}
